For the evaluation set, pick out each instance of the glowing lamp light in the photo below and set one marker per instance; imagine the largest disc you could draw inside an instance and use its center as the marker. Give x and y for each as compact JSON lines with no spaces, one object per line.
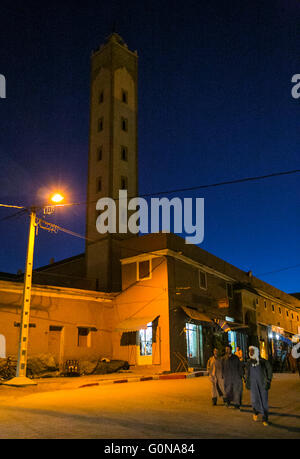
{"x":57,"y":198}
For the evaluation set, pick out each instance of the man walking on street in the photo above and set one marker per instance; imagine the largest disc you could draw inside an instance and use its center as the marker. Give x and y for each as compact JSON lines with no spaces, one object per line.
{"x":232,"y":370}
{"x":258,"y":377}
{"x":214,"y":368}
{"x":239,"y":353}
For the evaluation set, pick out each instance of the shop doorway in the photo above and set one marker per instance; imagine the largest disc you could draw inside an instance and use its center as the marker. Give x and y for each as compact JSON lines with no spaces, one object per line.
{"x":194,"y":342}
{"x":237,"y":339}
{"x":144,"y":346}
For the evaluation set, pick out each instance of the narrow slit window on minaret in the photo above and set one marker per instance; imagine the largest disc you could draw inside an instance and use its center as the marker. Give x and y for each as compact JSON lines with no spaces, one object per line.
{"x":100,"y":124}
{"x":124,"y":96}
{"x":101,"y":97}
{"x":124,"y":124}
{"x":99,"y":154}
{"x":124,"y":153}
{"x":99,"y":185}
{"x":124,"y":183}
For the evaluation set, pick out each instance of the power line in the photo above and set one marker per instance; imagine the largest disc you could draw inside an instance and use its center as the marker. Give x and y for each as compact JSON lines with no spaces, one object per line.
{"x":212,"y":185}
{"x":72,"y":233}
{"x":228,"y":182}
{"x":55,"y":228}
{"x":199,"y":187}
{"x":279,"y":270}
{"x":177,"y":190}
{"x":16,"y":214}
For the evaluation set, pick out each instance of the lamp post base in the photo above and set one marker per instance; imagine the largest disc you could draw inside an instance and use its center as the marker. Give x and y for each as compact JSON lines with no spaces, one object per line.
{"x":19,"y":381}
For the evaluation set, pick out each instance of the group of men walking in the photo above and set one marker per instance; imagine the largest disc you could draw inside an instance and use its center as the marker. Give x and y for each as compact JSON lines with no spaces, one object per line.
{"x":228,"y":373}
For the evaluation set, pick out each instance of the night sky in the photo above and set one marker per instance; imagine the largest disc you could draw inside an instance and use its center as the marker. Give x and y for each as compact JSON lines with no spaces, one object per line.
{"x":215,"y":104}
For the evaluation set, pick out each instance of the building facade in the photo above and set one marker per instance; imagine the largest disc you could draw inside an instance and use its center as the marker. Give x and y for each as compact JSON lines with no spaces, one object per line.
{"x":197,"y":302}
{"x":150,"y":300}
{"x":176,"y":304}
{"x":67,"y":323}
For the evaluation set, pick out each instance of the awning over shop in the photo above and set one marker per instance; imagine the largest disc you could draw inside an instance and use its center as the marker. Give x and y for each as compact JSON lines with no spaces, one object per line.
{"x":134,"y":324}
{"x":229,"y":326}
{"x":278,"y":330}
{"x":283,"y":338}
{"x":286,"y":339}
{"x":280,"y":334}
{"x":196,"y":315}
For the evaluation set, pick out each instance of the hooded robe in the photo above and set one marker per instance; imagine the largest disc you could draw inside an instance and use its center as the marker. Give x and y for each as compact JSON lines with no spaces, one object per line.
{"x":232,"y":374}
{"x":258,"y":380}
{"x":214,"y":368}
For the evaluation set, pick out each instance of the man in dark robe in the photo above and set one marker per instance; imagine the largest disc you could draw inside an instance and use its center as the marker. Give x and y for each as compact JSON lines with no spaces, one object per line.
{"x":258,"y":377}
{"x":232,"y":371}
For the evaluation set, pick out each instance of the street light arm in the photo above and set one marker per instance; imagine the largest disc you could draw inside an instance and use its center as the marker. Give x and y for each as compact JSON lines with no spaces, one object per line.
{"x":11,"y":206}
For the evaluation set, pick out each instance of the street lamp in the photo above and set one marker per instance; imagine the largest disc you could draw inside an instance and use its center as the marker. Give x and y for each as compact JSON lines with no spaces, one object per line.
{"x":57,"y":197}
{"x":20,"y":379}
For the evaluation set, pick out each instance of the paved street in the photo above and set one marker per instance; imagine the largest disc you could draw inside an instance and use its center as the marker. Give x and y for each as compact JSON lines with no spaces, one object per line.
{"x":150,"y":409}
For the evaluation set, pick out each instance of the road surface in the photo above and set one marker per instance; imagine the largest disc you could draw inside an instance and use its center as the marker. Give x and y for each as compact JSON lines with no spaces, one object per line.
{"x":175,"y":409}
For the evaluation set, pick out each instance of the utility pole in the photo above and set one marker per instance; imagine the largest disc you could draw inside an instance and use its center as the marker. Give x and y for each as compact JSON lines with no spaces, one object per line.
{"x":21,"y":379}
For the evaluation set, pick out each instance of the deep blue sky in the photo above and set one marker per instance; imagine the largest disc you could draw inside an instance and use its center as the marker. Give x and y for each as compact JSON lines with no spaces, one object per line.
{"x":214,"y":104}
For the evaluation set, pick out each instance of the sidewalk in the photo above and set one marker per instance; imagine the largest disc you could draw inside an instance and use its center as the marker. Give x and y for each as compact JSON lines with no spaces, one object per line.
{"x":71,"y":383}
{"x":135,"y":376}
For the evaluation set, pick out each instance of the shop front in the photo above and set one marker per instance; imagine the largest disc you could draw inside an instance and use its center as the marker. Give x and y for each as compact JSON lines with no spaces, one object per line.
{"x":279,"y":348}
{"x":204,"y":333}
{"x":194,"y":342}
{"x":236,"y":334}
{"x":198,"y":329}
{"x":238,"y":339}
{"x":139,"y":335}
{"x":262,"y":330}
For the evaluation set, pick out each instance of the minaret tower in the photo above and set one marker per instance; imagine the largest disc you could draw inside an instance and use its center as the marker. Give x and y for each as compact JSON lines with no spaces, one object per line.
{"x":112,"y":152}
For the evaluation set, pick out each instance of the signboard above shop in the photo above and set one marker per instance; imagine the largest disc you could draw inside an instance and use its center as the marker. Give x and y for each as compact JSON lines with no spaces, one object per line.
{"x":277,"y":330}
{"x":223,"y":303}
